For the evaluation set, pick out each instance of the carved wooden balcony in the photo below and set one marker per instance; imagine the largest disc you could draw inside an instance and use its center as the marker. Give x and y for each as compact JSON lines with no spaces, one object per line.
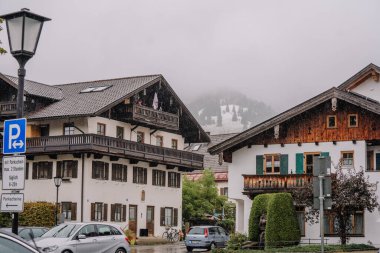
{"x":111,"y":146}
{"x":151,"y":117}
{"x":8,"y":109}
{"x":256,"y":184}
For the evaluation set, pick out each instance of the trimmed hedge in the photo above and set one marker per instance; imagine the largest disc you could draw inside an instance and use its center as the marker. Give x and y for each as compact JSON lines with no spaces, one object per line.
{"x":282,"y":225}
{"x":40,"y":214}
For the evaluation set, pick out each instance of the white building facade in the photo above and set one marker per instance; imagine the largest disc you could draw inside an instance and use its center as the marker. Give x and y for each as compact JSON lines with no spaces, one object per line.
{"x":117,"y":145}
{"x":277,"y":155}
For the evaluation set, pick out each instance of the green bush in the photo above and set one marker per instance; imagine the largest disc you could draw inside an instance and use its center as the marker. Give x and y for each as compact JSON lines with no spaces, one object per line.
{"x":282,"y":225}
{"x":259,"y":205}
{"x":5,"y":220}
{"x":236,"y":241}
{"x":40,"y":214}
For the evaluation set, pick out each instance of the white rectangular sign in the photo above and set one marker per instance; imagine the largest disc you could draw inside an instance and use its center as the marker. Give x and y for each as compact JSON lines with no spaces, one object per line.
{"x":12,"y":202}
{"x":14,"y":172}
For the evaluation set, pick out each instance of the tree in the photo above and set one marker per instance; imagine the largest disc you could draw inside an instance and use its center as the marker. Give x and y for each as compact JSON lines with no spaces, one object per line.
{"x":351,"y":192}
{"x":2,"y":50}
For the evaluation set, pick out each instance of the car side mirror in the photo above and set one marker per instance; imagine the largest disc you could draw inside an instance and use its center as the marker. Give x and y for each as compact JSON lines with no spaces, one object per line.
{"x":81,"y":237}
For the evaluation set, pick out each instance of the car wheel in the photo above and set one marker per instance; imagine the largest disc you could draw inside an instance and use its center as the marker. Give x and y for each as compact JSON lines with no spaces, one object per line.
{"x":120,"y":250}
{"x":189,"y":249}
{"x":67,"y":251}
{"x":212,"y":246}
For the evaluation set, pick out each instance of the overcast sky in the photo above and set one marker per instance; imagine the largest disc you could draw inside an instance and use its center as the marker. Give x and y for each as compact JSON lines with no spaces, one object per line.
{"x":279,"y":52}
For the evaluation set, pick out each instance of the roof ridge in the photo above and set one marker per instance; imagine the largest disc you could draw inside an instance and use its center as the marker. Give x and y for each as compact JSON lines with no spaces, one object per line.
{"x":110,"y":79}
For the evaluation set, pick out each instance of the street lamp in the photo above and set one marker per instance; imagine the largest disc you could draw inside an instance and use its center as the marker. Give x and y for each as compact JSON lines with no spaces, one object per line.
{"x":24,"y":30}
{"x":57,"y":182}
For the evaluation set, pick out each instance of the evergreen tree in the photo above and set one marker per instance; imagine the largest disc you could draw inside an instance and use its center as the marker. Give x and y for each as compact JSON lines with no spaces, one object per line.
{"x":2,"y":50}
{"x":227,"y":108}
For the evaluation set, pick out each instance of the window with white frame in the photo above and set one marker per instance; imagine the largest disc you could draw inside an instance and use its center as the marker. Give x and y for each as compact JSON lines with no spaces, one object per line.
{"x":347,"y":158}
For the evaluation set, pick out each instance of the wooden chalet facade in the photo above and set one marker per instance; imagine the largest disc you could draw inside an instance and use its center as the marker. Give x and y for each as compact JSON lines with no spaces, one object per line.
{"x":118,"y":144}
{"x":277,"y":155}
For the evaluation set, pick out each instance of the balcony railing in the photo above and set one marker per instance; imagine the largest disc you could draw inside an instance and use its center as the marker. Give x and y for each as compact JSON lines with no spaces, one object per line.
{"x":255,"y":184}
{"x":8,"y":108}
{"x":112,"y":146}
{"x":153,"y":117}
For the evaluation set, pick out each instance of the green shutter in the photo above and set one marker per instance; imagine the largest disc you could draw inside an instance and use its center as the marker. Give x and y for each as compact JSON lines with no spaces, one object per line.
{"x":377,"y":161}
{"x":299,"y":163}
{"x":325,"y":154}
{"x":284,"y":164}
{"x":259,"y":165}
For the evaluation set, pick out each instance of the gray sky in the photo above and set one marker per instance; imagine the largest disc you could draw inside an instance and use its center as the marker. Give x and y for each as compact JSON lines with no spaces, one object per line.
{"x":279,"y":52}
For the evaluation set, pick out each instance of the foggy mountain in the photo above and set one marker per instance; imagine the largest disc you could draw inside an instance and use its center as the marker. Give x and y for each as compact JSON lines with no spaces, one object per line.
{"x":229,"y":112}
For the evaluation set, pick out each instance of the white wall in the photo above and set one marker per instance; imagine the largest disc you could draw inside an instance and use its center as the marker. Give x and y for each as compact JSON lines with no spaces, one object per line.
{"x":369,"y":88}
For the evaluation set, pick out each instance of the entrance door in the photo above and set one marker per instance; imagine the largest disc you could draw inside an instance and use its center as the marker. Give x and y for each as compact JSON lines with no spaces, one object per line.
{"x":150,"y":220}
{"x":133,"y":218}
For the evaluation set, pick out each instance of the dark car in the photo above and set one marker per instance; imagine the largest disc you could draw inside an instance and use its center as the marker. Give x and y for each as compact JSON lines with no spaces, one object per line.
{"x":26,"y":232}
{"x":206,"y":237}
{"x":11,"y":243}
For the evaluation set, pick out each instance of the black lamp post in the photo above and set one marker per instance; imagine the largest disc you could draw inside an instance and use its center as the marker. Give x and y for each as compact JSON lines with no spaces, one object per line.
{"x":24,"y":29}
{"x":57,"y":182}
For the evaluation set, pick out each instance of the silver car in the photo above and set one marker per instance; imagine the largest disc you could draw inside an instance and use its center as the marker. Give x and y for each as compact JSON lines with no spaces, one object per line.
{"x":206,"y":237}
{"x":84,"y":238}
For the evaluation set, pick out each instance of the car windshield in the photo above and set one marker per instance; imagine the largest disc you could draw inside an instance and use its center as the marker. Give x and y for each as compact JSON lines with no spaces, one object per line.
{"x":196,"y":231}
{"x":62,"y":231}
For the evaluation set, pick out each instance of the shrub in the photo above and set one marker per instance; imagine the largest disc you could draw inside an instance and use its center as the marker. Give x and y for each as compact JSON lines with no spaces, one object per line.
{"x":5,"y":220}
{"x":236,"y":241}
{"x":131,"y":236}
{"x":282,"y":225}
{"x":40,"y":214}
{"x":259,"y":205}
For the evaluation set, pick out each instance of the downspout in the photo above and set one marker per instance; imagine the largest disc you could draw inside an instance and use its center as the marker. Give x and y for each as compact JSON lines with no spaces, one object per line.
{"x":82,"y":190}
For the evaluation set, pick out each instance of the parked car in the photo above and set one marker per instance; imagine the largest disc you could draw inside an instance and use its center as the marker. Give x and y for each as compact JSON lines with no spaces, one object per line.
{"x":206,"y":237}
{"x":27,"y":233}
{"x":84,"y":238}
{"x":11,"y":243}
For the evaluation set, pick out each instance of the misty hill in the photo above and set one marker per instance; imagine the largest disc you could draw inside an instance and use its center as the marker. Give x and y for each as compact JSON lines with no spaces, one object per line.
{"x":229,"y":112}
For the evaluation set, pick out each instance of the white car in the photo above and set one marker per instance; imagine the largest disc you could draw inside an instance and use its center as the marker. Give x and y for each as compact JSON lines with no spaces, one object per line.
{"x":84,"y":238}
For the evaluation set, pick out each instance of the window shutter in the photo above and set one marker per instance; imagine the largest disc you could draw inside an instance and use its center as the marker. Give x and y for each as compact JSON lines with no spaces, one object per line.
{"x":112,"y":212}
{"x":50,"y":169}
{"x":113,"y":176}
{"x":284,"y":164}
{"x":154,"y":176}
{"x":106,"y":170}
{"x":27,"y":171}
{"x":73,"y":211}
{"x":299,"y":163}
{"x":93,"y":169}
{"x":93,"y":211}
{"x":325,"y":154}
{"x":259,"y":165}
{"x":125,"y":173}
{"x":377,"y":161}
{"x":145,"y":176}
{"x":105,"y":214}
{"x":134,"y":174}
{"x":162,"y":216}
{"x":124,"y":217}
{"x":164,"y":183}
{"x":74,"y":166}
{"x":34,"y":170}
{"x":175,"y":217}
{"x":59,"y":169}
{"x":178,"y":180}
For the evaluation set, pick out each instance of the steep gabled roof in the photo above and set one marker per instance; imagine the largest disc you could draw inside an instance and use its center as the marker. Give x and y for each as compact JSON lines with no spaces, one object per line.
{"x":35,"y":88}
{"x":352,"y":98}
{"x":359,"y":77}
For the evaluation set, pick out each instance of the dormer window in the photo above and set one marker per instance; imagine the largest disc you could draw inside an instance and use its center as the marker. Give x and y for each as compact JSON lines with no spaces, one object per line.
{"x":331,"y":121}
{"x":352,"y":120}
{"x":95,"y":89}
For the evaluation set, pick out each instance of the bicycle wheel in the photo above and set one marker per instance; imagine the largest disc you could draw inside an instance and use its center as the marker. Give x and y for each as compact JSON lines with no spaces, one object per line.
{"x":165,"y":235}
{"x":176,"y":237}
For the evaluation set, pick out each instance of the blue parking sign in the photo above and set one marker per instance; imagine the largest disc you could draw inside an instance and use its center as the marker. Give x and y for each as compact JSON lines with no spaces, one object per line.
{"x":14,"y":136}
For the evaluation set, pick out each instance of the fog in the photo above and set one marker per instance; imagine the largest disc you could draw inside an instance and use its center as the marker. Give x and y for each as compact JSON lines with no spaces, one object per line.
{"x":279,"y":52}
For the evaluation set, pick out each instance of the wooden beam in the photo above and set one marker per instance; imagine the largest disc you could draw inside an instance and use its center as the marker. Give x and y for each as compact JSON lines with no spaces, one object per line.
{"x":98,"y":156}
{"x":53,"y":156}
{"x":114,"y":158}
{"x":170,"y":167}
{"x":152,"y":164}
{"x":77,"y":155}
{"x":133,"y":161}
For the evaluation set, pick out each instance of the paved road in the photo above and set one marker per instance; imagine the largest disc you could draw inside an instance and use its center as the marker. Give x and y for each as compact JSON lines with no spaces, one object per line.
{"x":166,"y":248}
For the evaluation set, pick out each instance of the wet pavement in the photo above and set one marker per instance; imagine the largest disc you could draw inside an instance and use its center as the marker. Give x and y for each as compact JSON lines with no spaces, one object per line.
{"x":165,"y":248}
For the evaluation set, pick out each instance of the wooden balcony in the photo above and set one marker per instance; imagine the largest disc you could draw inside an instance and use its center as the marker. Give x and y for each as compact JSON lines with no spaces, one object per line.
{"x":8,"y":109}
{"x":256,"y":184}
{"x":113,"y":147}
{"x":151,"y":117}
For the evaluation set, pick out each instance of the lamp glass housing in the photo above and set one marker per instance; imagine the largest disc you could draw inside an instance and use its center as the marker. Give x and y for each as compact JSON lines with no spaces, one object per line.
{"x":57,"y":181}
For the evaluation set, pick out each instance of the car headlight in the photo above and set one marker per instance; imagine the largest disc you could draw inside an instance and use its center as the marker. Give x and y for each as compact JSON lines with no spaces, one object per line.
{"x":50,"y":249}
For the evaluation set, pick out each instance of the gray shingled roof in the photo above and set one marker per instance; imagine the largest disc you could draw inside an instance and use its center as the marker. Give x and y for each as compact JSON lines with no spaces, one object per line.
{"x":358,"y":75}
{"x":37,"y":89}
{"x":211,"y":161}
{"x":75,"y":103}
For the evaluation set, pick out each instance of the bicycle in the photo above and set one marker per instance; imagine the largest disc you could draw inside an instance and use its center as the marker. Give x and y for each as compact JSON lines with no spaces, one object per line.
{"x":171,"y":234}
